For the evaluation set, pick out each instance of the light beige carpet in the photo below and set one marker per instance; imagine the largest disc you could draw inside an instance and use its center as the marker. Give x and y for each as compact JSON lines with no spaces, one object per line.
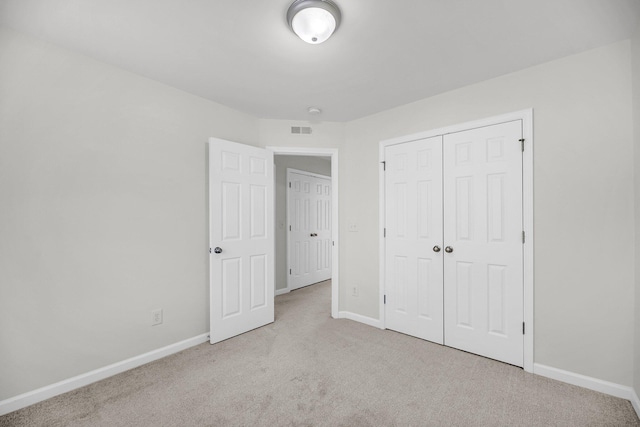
{"x":307,"y":369}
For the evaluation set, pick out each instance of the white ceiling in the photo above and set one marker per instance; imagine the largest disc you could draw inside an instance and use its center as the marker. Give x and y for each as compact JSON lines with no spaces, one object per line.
{"x":241,"y":53}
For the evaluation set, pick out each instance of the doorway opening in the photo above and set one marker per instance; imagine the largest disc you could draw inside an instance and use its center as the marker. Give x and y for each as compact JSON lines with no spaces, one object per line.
{"x":316,"y":164}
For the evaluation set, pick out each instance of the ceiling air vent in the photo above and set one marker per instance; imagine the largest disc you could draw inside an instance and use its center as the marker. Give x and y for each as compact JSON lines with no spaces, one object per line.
{"x":304,"y":130}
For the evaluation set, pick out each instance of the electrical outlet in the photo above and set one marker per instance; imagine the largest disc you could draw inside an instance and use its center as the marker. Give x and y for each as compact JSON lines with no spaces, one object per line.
{"x":354,"y":291}
{"x":156,"y":317}
{"x":352,"y":227}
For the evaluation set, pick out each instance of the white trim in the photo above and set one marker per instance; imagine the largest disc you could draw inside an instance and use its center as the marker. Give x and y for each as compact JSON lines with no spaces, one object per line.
{"x":488,"y":121}
{"x":382,"y":221}
{"x":64,"y":386}
{"x":635,"y":401}
{"x":527,"y":200}
{"x":360,"y":318}
{"x":606,"y":387}
{"x":527,"y":224}
{"x":335,"y":220}
{"x":282,"y":291}
{"x":301,"y":172}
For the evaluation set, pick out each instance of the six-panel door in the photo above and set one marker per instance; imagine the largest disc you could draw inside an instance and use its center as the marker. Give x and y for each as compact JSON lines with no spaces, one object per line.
{"x":241,"y":238}
{"x":413,"y":281}
{"x":309,"y":200}
{"x":483,"y":285}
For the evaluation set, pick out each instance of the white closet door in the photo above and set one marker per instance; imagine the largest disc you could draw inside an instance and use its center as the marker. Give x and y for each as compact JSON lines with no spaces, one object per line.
{"x":309,"y":199}
{"x":241,"y":237}
{"x":413,"y":255}
{"x":483,"y":273}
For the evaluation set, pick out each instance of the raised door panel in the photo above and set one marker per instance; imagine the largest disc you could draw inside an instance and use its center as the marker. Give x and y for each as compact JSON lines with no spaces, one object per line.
{"x":231,"y":286}
{"x":483,"y":275}
{"x":413,"y":218}
{"x":258,"y":283}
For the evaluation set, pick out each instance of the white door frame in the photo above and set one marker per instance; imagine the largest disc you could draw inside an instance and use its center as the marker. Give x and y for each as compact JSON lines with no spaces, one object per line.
{"x":335,"y":225}
{"x":288,"y":231}
{"x":527,"y":201}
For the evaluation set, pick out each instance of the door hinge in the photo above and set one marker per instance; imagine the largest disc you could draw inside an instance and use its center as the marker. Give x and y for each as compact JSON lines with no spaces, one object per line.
{"x":209,"y":250}
{"x":289,"y":185}
{"x":384,"y":232}
{"x":522,"y":144}
{"x":289,"y":228}
{"x":333,"y":243}
{"x":384,"y":165}
{"x":522,"y":328}
{"x":385,"y":299}
{"x":289,"y":271}
{"x":523,"y":236}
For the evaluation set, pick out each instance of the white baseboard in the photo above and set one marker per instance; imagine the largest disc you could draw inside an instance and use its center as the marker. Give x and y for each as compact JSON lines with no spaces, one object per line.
{"x":591,"y":383}
{"x":635,"y":401}
{"x":282,"y":291}
{"x":47,"y":392}
{"x":359,"y":318}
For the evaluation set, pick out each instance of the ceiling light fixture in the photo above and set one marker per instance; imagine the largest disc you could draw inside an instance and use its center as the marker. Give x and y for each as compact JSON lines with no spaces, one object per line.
{"x":314,"y":110}
{"x":313,"y":20}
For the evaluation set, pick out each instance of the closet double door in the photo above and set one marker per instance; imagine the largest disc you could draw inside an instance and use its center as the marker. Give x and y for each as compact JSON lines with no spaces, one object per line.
{"x":454,"y":240}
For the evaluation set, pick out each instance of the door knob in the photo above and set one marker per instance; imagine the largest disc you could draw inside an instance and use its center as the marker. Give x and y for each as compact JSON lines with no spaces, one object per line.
{"x":217,"y":250}
{"x":436,"y":248}
{"x":448,"y":249}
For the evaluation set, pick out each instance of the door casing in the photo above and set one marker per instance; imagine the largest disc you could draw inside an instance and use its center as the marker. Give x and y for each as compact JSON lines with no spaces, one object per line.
{"x":527,"y":193}
{"x":335,"y":235}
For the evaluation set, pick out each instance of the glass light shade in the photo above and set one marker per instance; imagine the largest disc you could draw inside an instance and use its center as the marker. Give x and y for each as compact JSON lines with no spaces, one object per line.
{"x":313,"y":25}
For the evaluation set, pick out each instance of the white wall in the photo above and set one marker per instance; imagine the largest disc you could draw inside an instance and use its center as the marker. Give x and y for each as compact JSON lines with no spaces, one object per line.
{"x":103,"y":207}
{"x":319,"y":165}
{"x":583,"y":161}
{"x":103,"y":213}
{"x":277,"y":133}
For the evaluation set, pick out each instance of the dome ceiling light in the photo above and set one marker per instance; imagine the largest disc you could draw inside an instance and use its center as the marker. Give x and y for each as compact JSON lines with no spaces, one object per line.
{"x":313,"y":20}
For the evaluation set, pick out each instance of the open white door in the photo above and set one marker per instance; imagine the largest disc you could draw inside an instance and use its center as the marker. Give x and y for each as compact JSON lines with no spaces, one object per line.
{"x":241,"y":212}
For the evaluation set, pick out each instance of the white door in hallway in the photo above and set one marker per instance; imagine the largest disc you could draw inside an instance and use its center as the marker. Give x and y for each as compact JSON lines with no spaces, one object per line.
{"x":241,"y":215}
{"x":483,"y":239}
{"x":413,"y":282}
{"x":309,"y":228}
